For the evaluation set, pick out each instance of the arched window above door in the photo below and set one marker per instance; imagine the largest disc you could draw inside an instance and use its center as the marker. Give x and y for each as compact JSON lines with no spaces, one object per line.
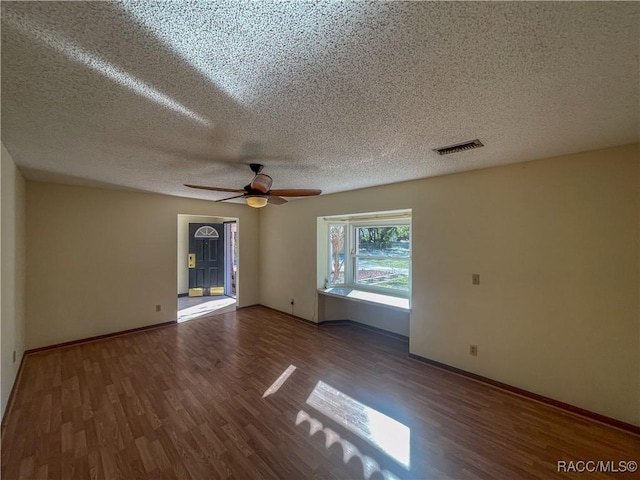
{"x":206,"y":231}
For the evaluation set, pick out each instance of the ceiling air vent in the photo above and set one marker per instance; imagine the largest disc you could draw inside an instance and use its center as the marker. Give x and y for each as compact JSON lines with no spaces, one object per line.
{"x":460,"y":147}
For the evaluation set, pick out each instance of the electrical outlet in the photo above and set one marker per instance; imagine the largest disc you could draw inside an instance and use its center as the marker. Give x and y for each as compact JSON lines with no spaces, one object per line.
{"x":473,"y":350}
{"x":158,"y":308}
{"x":475,"y":279}
{"x":14,"y":356}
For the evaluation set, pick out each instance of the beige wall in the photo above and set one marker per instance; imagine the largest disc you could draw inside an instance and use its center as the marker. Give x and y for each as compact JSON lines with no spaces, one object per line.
{"x":556,"y":243}
{"x":12,"y":276}
{"x":100,"y":260}
{"x":378,"y":316}
{"x":183,"y":245}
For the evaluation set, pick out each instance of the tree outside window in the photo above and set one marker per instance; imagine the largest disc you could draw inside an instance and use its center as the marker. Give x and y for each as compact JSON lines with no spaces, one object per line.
{"x":336,"y":243}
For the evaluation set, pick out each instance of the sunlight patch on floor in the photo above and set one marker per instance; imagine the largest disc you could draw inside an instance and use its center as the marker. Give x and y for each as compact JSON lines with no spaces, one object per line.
{"x":203,"y":309}
{"x":275,"y":386}
{"x":383,"y":432}
{"x":349,"y":450}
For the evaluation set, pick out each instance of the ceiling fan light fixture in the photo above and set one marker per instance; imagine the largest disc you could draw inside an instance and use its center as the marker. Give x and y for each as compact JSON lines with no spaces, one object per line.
{"x":257,"y":201}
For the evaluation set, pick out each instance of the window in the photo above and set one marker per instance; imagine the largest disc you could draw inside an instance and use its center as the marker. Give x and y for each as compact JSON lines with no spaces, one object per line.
{"x":206,"y":231}
{"x":337,"y":238}
{"x":382,"y":257}
{"x":372,"y":255}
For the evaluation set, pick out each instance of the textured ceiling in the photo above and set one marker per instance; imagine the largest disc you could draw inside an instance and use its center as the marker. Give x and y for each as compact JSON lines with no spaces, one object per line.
{"x":336,"y":96}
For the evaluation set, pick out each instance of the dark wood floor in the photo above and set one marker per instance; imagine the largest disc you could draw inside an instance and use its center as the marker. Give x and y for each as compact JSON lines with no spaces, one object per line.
{"x":186,"y":402}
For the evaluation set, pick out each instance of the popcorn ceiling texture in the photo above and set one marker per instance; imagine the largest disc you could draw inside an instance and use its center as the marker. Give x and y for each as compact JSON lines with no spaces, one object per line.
{"x":336,"y":96}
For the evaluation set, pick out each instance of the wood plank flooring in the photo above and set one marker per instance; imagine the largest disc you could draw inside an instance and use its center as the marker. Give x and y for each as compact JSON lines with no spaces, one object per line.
{"x":186,"y":402}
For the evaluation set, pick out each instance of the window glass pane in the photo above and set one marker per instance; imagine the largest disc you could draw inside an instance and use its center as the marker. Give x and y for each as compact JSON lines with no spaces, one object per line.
{"x":337,"y":234}
{"x":390,"y":241}
{"x":383,"y":272}
{"x":206,"y":232}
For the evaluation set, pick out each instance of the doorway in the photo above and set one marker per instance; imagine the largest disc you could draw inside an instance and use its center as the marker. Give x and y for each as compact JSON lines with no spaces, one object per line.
{"x":207,"y":266}
{"x":206,"y":259}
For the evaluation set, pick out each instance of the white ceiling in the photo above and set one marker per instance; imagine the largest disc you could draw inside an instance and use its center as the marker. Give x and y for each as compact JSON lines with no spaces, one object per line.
{"x":336,"y":96}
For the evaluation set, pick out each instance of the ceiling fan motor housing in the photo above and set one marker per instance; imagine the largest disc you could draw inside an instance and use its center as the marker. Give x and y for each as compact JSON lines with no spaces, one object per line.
{"x":256,"y":167}
{"x":261,"y":183}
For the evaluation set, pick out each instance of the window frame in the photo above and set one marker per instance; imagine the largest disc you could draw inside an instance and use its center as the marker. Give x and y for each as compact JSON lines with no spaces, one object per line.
{"x":345,"y":225}
{"x":351,"y":256}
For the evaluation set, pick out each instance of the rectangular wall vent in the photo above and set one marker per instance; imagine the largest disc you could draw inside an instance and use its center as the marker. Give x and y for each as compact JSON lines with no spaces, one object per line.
{"x":460,"y":147}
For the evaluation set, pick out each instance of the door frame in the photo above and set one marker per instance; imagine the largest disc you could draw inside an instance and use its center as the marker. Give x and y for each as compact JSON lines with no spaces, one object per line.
{"x":182,"y":250}
{"x":228,"y":259}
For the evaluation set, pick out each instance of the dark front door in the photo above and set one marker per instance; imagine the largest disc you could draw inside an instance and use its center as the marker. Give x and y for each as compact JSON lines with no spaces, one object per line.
{"x":206,"y":241}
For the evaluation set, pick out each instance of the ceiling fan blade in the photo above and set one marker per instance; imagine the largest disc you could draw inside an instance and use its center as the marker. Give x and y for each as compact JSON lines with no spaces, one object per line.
{"x":277,"y":200}
{"x":215,"y":189}
{"x":230,"y":198}
{"x":295,"y":192}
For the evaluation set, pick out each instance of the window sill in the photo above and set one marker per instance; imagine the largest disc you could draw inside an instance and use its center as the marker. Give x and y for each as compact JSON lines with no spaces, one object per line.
{"x":368,"y":297}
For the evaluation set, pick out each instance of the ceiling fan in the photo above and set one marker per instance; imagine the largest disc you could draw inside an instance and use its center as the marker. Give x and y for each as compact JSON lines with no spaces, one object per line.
{"x":258,"y":193}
